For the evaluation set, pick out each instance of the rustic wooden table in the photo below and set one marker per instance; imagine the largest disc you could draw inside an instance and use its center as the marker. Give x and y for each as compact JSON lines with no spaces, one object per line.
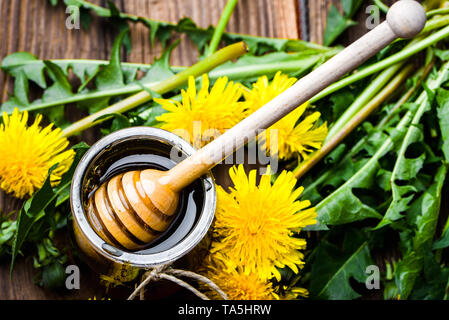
{"x":37,"y":27}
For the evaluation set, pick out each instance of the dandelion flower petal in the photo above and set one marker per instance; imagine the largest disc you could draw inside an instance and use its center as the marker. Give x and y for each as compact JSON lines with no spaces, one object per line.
{"x":28,"y":152}
{"x":256,"y":225}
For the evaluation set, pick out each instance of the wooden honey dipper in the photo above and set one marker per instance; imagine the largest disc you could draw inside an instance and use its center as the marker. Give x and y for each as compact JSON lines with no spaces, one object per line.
{"x":134,"y":208}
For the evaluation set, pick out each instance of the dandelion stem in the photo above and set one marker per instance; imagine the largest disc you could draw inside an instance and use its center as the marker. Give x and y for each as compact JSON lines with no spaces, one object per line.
{"x":292,"y":45}
{"x":228,"y":53}
{"x":425,"y":72}
{"x":435,"y":23}
{"x":224,"y":19}
{"x":358,"y":118}
{"x":377,"y":84}
{"x":435,"y":12}
{"x":422,"y":73}
{"x":382,"y":6}
{"x":385,"y":63}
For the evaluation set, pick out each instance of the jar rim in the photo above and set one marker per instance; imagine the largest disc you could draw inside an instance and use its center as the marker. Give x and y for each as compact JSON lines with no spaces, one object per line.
{"x":141,"y":260}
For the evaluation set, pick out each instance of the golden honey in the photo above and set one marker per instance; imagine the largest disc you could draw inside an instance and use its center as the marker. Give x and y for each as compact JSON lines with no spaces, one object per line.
{"x":137,"y":149}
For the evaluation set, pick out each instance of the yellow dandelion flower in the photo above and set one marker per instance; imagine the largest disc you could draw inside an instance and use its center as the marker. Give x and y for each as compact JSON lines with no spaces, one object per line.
{"x":118,"y":275}
{"x":202,"y":116}
{"x":264,"y":91}
{"x":238,"y":285}
{"x":294,"y":293}
{"x":299,"y":292}
{"x":293,"y":139}
{"x":95,"y":298}
{"x":255,"y":224}
{"x":28,"y":152}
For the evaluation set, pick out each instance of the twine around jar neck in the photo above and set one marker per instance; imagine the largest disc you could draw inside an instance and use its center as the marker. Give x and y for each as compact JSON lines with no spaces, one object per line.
{"x":166,"y":272}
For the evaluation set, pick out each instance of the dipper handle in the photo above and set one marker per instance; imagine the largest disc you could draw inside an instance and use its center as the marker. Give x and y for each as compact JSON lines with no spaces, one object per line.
{"x":405,"y":19}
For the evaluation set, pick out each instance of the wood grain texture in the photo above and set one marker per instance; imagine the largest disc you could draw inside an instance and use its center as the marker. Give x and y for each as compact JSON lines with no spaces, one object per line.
{"x":37,"y":27}
{"x":271,"y":18}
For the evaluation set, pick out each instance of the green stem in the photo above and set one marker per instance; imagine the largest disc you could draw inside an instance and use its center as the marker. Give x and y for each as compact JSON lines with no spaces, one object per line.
{"x":129,"y":89}
{"x":378,"y":83}
{"x":228,"y":53}
{"x":292,"y":44}
{"x":433,"y":85}
{"x":435,"y":23}
{"x":232,"y":71}
{"x":435,"y":12}
{"x":295,"y":45}
{"x":224,"y":19}
{"x":369,"y":105}
{"x":422,"y":73}
{"x":422,"y":76}
{"x":385,"y":63}
{"x":381,"y":5}
{"x":401,"y":130}
{"x":383,"y":149}
{"x":239,"y":72}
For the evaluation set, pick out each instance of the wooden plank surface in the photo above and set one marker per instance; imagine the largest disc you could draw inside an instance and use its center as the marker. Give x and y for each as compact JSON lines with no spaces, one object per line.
{"x":271,"y":18}
{"x":37,"y":27}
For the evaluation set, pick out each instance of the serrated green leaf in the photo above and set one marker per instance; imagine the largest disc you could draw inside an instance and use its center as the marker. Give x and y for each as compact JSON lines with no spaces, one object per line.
{"x":443,"y":117}
{"x":53,"y":276}
{"x":250,"y":67}
{"x":20,"y":98}
{"x":21,"y":88}
{"x":198,"y":35}
{"x":443,"y":242}
{"x":350,"y":7}
{"x":56,"y":115}
{"x":8,"y":228}
{"x":163,"y":30}
{"x":61,"y":87}
{"x":111,"y":76}
{"x":33,"y":210}
{"x":120,"y":24}
{"x":433,"y":282}
{"x":342,"y":206}
{"x":119,"y":121}
{"x":425,"y":223}
{"x":27,"y":63}
{"x":292,"y":64}
{"x":333,"y":268}
{"x":160,"y":68}
{"x":109,"y":82}
{"x":156,"y":111}
{"x":336,"y":24}
{"x":407,"y":168}
{"x":341,"y":101}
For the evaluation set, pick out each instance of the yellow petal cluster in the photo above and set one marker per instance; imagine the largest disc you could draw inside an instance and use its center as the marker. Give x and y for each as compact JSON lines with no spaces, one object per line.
{"x":201,"y":116}
{"x":239,"y":285}
{"x":297,"y":135}
{"x":28,"y":152}
{"x":257,"y":224}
